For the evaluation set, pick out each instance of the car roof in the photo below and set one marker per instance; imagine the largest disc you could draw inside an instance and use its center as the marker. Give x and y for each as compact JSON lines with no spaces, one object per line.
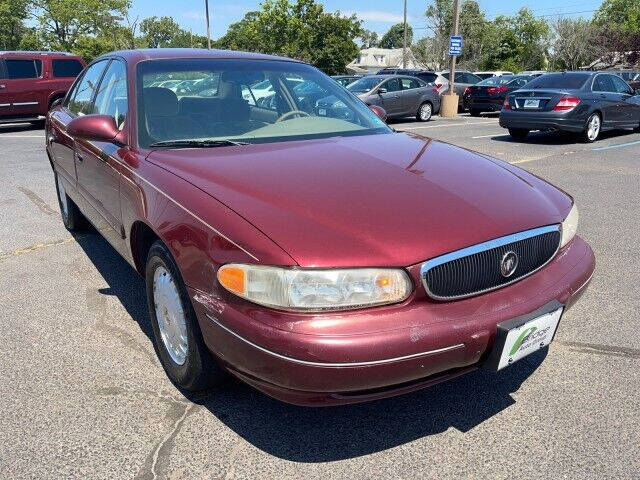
{"x":29,"y":53}
{"x":135,"y":56}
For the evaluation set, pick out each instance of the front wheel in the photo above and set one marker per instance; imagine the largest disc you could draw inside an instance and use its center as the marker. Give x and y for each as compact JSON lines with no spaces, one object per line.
{"x":425,"y":111}
{"x":178,"y":339}
{"x":592,"y":129}
{"x":518,"y":133}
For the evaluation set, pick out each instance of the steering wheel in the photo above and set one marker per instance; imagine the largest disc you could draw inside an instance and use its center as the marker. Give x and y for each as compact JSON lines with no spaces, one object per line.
{"x":291,"y":114}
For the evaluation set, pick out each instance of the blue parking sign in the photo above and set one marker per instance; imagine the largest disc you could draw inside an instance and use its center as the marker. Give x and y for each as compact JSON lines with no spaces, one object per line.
{"x":455,"y":45}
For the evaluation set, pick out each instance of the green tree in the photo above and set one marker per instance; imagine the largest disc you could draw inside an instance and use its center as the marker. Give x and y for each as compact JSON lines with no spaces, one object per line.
{"x":517,"y":43}
{"x":619,"y":14}
{"x":369,"y":38}
{"x":160,"y":32}
{"x":13,"y":14}
{"x":473,"y":27}
{"x":573,"y":43}
{"x":63,"y":22}
{"x":301,"y":30}
{"x":394,"y":38}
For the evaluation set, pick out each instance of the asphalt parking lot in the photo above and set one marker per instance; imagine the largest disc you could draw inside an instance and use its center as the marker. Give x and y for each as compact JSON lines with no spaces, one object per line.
{"x":83,"y":395}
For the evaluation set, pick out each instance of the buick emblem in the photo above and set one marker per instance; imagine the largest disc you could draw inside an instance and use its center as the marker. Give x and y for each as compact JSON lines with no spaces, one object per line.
{"x":509,"y":263}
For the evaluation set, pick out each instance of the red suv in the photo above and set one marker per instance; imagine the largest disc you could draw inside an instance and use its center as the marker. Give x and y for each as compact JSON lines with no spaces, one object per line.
{"x":31,"y":81}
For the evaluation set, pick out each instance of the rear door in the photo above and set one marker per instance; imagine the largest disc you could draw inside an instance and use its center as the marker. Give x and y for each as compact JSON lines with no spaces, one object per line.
{"x":411,"y":94}
{"x":608,"y":100}
{"x":24,"y":93}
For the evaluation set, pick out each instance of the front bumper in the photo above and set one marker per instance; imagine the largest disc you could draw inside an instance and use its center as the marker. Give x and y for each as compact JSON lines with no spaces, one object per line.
{"x":340,"y":358}
{"x":541,"y":121}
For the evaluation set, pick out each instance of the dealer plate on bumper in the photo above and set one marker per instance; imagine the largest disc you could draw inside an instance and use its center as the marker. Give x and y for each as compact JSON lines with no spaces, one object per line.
{"x":524,"y":335}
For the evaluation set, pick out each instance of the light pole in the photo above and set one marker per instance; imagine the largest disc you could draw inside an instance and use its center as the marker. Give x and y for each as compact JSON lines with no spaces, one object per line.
{"x":206,"y":7}
{"x":456,"y":19}
{"x":404,"y":42}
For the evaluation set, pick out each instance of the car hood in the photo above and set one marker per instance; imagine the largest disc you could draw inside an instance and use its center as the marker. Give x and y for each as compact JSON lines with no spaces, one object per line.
{"x":375,"y":200}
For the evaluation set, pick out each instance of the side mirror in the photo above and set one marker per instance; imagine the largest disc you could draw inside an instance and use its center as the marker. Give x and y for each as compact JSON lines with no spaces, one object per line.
{"x":382,"y":91}
{"x":56,"y":102}
{"x":101,"y":128}
{"x":379,"y":111}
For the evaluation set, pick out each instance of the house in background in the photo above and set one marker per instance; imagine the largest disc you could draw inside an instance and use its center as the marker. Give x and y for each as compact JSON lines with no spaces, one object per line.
{"x":373,"y":59}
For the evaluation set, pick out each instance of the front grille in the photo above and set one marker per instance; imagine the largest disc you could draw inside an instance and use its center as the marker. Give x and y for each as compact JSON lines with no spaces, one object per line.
{"x":477,"y":269}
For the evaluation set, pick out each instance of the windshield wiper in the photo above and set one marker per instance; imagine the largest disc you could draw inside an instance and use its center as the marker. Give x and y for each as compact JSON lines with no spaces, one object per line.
{"x":197,"y":143}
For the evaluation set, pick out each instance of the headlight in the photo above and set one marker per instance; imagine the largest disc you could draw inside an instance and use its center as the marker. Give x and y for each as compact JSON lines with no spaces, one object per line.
{"x":311,"y":289}
{"x":570,"y":226}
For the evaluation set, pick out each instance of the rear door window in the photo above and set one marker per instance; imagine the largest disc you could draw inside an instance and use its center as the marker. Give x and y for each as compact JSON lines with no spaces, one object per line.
{"x":22,"y":68}
{"x":66,"y":68}
{"x":603,"y":83}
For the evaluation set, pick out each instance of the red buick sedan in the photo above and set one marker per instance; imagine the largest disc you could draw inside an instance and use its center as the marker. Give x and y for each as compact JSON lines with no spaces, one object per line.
{"x":312,"y":252}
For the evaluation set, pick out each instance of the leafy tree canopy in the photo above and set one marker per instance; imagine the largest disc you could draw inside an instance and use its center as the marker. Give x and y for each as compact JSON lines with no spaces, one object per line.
{"x":301,"y":30}
{"x":394,"y":38}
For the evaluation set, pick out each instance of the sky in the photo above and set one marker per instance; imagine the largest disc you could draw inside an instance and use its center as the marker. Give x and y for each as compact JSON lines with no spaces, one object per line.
{"x":378,"y":15}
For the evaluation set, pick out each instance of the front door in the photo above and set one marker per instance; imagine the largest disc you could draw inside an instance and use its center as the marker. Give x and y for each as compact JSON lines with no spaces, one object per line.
{"x":392,"y":98}
{"x":98,"y":162}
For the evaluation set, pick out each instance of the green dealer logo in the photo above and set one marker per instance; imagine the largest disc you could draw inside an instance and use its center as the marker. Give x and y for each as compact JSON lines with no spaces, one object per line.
{"x":523,"y":336}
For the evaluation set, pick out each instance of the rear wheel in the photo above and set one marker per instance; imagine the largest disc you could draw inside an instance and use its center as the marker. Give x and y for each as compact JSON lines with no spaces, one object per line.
{"x":71,"y":217}
{"x":518,"y":133}
{"x":178,"y":339}
{"x":592,"y":129}
{"x":425,"y":112}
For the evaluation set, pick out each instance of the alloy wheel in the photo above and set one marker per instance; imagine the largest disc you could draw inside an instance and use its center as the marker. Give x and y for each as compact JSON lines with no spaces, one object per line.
{"x":593,"y":127}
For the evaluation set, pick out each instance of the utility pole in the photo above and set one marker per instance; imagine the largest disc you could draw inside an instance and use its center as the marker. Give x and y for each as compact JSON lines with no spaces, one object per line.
{"x":449,"y":103}
{"x":206,"y":6}
{"x":404,"y":43}
{"x":456,"y":20}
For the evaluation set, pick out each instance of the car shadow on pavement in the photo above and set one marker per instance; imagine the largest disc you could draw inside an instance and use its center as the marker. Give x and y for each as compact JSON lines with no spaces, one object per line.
{"x":557,"y":138}
{"x":332,"y":433}
{"x":20,"y":127}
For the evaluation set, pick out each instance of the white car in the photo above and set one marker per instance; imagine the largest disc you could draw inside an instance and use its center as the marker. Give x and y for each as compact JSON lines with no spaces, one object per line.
{"x":495,"y":73}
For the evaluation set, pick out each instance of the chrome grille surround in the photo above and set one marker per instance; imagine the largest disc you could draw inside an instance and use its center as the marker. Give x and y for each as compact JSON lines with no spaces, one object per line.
{"x":486,"y":247}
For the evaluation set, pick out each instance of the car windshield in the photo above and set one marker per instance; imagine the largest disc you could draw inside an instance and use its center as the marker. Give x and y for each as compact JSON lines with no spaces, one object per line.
{"x":365,"y":84}
{"x":244,"y":101}
{"x":503,"y":80}
{"x":571,"y":81}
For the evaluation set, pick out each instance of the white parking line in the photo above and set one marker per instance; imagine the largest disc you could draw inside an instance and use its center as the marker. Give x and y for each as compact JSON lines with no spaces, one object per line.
{"x":447,"y":125}
{"x":21,"y":136}
{"x":619,"y":145}
{"x":492,"y":135}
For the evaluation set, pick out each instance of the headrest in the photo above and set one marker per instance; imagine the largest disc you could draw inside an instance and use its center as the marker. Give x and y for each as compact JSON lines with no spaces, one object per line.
{"x":229,"y":90}
{"x":160,"y":102}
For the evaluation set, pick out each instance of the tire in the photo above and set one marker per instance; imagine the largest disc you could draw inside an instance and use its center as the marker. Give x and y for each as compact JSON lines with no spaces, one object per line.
{"x":189,"y":364}
{"x":474,"y":112}
{"x":592,"y":128}
{"x":518,"y":133}
{"x":72,"y":218}
{"x":425,"y":112}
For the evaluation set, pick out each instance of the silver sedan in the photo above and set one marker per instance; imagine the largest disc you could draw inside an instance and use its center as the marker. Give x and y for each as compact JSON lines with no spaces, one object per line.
{"x":400,"y":96}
